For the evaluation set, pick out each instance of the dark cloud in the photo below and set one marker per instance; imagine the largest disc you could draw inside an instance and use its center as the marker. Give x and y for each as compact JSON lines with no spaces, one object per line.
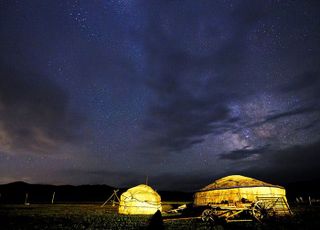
{"x":182,"y":123}
{"x":243,"y":153}
{"x":293,"y":163}
{"x":191,"y":100}
{"x":309,"y":81}
{"x":34,"y":113}
{"x":312,"y":125}
{"x":294,"y":112}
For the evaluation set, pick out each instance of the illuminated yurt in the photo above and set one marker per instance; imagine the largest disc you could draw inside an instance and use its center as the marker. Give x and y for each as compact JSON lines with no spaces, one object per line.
{"x":141,"y":199}
{"x":237,"y":189}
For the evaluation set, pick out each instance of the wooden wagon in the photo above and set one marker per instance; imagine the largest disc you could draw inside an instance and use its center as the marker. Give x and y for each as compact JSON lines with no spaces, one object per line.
{"x":263,"y":208}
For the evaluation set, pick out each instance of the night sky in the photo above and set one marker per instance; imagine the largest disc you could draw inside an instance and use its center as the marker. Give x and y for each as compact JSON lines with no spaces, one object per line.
{"x":184,"y":92}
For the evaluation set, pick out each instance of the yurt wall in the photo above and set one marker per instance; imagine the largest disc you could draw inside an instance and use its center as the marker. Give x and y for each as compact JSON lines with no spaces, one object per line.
{"x":232,"y":195}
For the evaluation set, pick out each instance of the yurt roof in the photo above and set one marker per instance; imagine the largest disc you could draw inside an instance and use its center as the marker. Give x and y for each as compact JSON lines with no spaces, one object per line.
{"x":141,"y":188}
{"x":237,"y":181}
{"x":142,"y":192}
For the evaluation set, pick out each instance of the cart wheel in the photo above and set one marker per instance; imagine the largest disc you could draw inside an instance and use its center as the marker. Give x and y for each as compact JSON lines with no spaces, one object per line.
{"x":262,"y":210}
{"x":208,"y":215}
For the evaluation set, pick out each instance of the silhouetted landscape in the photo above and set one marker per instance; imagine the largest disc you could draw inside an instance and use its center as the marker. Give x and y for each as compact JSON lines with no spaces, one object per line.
{"x":14,"y":193}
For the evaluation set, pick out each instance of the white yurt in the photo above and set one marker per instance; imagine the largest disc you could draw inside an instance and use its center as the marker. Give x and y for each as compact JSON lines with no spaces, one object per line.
{"x":141,"y":199}
{"x":236,"y":189}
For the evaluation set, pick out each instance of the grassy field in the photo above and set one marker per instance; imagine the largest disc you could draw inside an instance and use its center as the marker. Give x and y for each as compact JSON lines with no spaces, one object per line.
{"x":92,"y":216}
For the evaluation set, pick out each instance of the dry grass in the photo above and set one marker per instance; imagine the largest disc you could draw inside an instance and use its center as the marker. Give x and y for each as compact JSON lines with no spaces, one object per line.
{"x":92,"y":216}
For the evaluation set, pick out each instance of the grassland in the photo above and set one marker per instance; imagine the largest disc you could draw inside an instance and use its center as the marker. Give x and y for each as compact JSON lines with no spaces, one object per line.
{"x":92,"y":216}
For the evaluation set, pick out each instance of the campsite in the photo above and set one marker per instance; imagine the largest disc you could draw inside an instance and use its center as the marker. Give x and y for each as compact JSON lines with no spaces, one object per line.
{"x":65,"y":213}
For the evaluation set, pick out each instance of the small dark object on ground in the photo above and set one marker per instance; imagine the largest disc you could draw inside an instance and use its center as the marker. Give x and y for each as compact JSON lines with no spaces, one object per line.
{"x":156,"y":221}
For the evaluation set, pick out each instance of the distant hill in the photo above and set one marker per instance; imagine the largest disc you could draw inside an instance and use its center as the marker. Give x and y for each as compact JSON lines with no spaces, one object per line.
{"x":14,"y":193}
{"x":41,"y":193}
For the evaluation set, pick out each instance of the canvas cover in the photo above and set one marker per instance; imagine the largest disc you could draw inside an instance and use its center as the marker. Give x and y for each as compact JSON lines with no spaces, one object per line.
{"x":236,"y":189}
{"x":141,"y":199}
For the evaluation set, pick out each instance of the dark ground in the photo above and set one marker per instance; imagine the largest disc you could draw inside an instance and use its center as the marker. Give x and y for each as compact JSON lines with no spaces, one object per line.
{"x":92,"y":216}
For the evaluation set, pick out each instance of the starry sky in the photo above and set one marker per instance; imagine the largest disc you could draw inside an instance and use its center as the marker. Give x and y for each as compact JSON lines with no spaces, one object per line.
{"x":184,"y":92}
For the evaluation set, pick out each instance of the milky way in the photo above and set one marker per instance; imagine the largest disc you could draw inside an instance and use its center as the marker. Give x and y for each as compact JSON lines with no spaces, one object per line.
{"x":182,"y":92}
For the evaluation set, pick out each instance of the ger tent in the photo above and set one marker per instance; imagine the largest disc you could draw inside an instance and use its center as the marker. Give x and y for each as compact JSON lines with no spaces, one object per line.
{"x":141,"y":199}
{"x":238,"y":189}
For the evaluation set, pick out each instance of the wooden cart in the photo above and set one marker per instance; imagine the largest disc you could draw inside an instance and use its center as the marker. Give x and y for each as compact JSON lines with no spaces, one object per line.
{"x":263,"y":208}
{"x":260,"y":210}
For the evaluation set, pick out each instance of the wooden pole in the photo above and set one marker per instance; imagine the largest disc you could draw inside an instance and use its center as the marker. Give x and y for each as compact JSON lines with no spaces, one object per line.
{"x":113,"y":195}
{"x":26,"y":200}
{"x":53,"y":195}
